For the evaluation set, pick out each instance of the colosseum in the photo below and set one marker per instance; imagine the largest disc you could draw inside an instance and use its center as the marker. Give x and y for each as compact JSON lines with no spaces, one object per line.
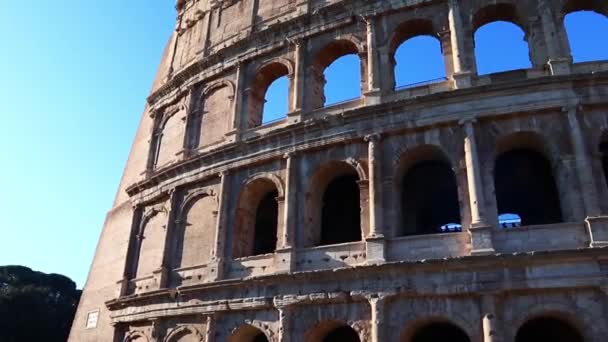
{"x":473,"y":208}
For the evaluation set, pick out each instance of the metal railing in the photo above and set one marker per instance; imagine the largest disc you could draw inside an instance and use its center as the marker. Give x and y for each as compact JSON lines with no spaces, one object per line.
{"x":420,"y":84}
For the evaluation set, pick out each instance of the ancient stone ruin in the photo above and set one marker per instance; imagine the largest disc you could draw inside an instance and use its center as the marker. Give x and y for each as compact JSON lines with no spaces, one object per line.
{"x":470,"y":208}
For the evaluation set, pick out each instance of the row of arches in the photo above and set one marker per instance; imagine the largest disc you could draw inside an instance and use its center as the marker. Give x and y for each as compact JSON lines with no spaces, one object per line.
{"x":500,"y":41}
{"x":425,"y":190}
{"x":524,"y":181}
{"x":541,"y":328}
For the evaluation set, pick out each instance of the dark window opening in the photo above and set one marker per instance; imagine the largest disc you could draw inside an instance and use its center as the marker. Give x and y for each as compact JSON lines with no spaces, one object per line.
{"x":430,"y":199}
{"x":266,"y":219}
{"x":604,"y":152}
{"x":342,"y":334}
{"x":584,"y":29}
{"x":547,"y":329}
{"x":341,"y":213}
{"x":260,"y":338}
{"x":440,"y":331}
{"x":525,"y":185}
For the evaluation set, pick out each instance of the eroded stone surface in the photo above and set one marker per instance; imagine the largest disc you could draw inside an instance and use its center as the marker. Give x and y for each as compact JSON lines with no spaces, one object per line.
{"x":177,"y":257}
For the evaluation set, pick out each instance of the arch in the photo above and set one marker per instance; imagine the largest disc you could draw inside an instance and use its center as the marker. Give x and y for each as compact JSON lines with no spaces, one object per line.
{"x":136,"y":336}
{"x":431,"y":329}
{"x":524,"y":181}
{"x":329,"y":181}
{"x":176,"y":334}
{"x":583,"y":26}
{"x":150,"y":239}
{"x":166,"y":139}
{"x":500,"y":22}
{"x":324,"y":59}
{"x":598,"y":6}
{"x":248,"y":333}
{"x":265,"y":75}
{"x":257,"y":214}
{"x":332,"y":331}
{"x":548,"y":327}
{"x":429,"y":192}
{"x":417,"y":42}
{"x":192,"y":240}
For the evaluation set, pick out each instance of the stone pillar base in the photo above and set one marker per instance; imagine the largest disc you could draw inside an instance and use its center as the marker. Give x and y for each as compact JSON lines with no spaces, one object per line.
{"x":161,"y":277}
{"x":285,"y":260}
{"x":597,"y":228}
{"x":295,"y":116}
{"x":481,"y":240}
{"x":216,"y":270}
{"x":373,"y":97}
{"x":462,"y":79}
{"x":375,"y":250}
{"x":559,"y":66}
{"x":233,"y":136}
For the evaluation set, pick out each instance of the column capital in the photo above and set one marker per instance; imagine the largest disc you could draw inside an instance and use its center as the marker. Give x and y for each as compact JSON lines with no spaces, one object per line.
{"x":289,"y":154}
{"x":223,"y":173}
{"x":468,"y":120}
{"x":374,"y":137}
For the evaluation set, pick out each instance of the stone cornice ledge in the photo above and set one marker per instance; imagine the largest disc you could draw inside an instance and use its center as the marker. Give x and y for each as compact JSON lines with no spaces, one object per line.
{"x":184,"y":300}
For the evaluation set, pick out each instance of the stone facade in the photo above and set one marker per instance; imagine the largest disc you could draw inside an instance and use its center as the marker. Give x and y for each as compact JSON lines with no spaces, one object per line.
{"x":225,"y":229}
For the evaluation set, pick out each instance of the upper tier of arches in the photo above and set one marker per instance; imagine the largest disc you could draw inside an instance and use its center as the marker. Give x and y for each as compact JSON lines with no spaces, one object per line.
{"x":375,"y":59}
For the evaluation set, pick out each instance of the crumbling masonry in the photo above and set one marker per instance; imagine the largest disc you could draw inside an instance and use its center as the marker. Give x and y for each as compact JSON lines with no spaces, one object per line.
{"x":375,"y":219}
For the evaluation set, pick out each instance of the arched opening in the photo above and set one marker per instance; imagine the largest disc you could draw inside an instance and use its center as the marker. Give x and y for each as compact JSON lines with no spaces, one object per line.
{"x":266,"y":220}
{"x":439,"y":331}
{"x":494,"y":24}
{"x":548,"y":329}
{"x":604,"y":156}
{"x":429,"y":193}
{"x":337,"y":74}
{"x":341,"y":213}
{"x":419,"y":61}
{"x":342,"y":334}
{"x":267,"y":97}
{"x":248,"y":333}
{"x":416,"y":54}
{"x":525,"y":187}
{"x":256,"y":219}
{"x":584,"y":29}
{"x":276,"y":101}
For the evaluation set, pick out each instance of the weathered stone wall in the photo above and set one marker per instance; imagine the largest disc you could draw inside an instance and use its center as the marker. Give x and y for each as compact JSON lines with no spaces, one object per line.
{"x":174,"y":260}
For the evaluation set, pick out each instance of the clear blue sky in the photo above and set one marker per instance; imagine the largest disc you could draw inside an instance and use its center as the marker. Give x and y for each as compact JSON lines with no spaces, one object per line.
{"x":75,"y":75}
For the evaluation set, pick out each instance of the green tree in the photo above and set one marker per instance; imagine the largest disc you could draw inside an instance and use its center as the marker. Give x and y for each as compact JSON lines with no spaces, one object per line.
{"x":35,"y":306}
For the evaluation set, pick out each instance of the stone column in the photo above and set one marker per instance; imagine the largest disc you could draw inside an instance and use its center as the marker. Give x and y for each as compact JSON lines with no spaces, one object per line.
{"x":216,"y":266}
{"x":286,"y":250}
{"x":285,"y":320}
{"x":555,"y":40}
{"x":583,"y":164}
{"x":480,"y":230}
{"x":488,"y":318}
{"x":373,"y":65}
{"x":162,"y":273}
{"x":597,"y":224}
{"x":375,"y":243}
{"x":237,"y":105}
{"x":210,"y":328}
{"x":461,"y":73}
{"x":378,"y":312}
{"x":298,"y":87}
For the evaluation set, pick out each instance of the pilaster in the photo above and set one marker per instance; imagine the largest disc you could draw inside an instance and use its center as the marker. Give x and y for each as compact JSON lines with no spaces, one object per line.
{"x":488,"y":318}
{"x":461,"y":73}
{"x":372,"y":96}
{"x":375,"y":242}
{"x":286,"y":251}
{"x":555,"y":40}
{"x":216,"y":266}
{"x":480,"y":230}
